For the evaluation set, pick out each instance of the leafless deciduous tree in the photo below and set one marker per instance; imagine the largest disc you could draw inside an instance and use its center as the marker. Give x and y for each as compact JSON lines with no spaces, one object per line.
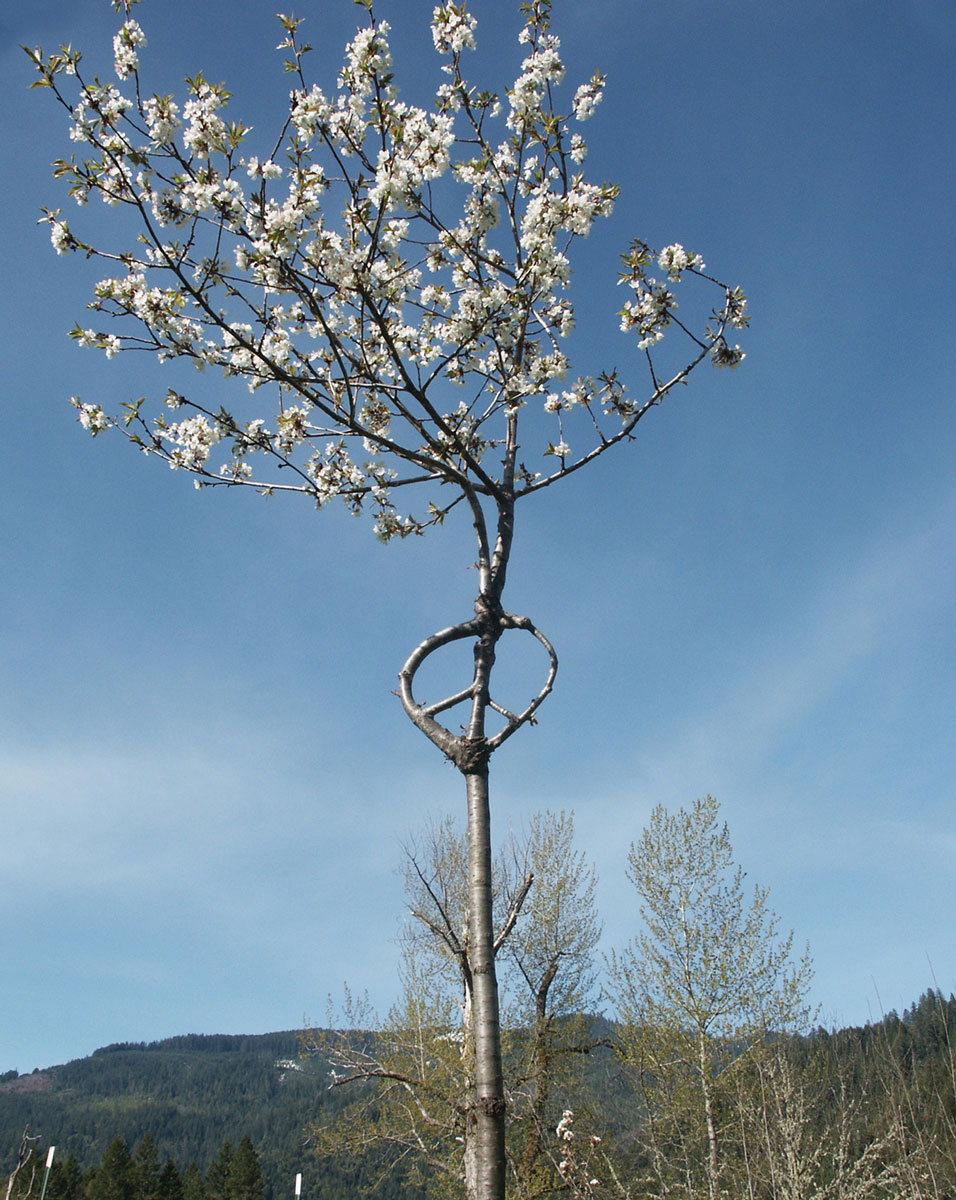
{"x":21,"y":1179}
{"x":415,"y":1077}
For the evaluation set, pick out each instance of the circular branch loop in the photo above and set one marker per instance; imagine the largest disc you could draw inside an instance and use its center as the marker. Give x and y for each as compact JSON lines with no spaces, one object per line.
{"x":470,"y":754}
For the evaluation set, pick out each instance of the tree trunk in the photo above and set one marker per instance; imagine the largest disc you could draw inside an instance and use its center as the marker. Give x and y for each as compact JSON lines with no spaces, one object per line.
{"x":471,"y":751}
{"x":713,"y":1160}
{"x":489,"y":1110}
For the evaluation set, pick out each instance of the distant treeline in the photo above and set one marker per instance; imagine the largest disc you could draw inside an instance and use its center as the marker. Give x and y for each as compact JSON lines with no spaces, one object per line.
{"x":190,"y":1097}
{"x":121,"y":1174}
{"x":223,"y":1118}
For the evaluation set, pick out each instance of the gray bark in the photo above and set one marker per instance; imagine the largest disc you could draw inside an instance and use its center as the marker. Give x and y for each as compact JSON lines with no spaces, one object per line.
{"x":489,"y":1100}
{"x":470,"y":752}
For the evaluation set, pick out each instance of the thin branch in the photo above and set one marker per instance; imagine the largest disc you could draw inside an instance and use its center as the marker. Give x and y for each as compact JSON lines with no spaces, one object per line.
{"x":514,"y":910}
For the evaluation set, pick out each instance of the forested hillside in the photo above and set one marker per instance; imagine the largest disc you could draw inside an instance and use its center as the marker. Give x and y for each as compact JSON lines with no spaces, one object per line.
{"x":198,"y":1117}
{"x":190,"y":1094}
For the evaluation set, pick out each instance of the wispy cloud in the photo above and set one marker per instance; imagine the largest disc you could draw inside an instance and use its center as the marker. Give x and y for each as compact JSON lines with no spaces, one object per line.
{"x":857,"y":615}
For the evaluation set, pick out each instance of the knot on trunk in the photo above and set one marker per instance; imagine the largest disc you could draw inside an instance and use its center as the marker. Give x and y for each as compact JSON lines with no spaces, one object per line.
{"x":492,"y":1106}
{"x":471,"y":754}
{"x":489,"y":612}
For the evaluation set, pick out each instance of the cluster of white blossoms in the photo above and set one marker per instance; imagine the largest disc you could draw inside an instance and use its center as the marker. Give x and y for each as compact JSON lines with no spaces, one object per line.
{"x":109,"y":343}
{"x":160,"y":310}
{"x":419,"y":153}
{"x":378,"y":254}
{"x":59,"y":234}
{"x":588,"y":97}
{"x":722,"y":354}
{"x":205,"y":131}
{"x":125,"y":45}
{"x":572,"y":1167}
{"x":97,"y":113}
{"x":453,"y":29}
{"x":292,"y":426}
{"x":190,"y":441}
{"x":565,"y":1129}
{"x":162,"y":118}
{"x":90,"y":416}
{"x":675,"y":259}
{"x":583,"y":392}
{"x":541,"y":69}
{"x":650,"y":312}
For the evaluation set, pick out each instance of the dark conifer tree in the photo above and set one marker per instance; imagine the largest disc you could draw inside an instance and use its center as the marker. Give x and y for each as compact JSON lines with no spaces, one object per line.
{"x":169,"y":1185}
{"x":245,"y":1174}
{"x":115,"y":1177}
{"x":66,"y":1180}
{"x":217,"y":1177}
{"x":193,"y":1186}
{"x":146,"y":1166}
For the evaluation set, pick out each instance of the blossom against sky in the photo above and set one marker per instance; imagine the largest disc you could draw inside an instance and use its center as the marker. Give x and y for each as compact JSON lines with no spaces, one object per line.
{"x":204,"y":776}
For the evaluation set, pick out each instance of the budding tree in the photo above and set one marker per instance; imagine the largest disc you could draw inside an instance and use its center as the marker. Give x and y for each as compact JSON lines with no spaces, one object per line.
{"x":391,"y":284}
{"x":417,"y":1072}
{"x":700,"y":992}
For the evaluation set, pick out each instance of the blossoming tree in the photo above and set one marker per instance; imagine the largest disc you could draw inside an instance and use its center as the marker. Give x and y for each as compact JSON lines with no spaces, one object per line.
{"x":392,"y":284}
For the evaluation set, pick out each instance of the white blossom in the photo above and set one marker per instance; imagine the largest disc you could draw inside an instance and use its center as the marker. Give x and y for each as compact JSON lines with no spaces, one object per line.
{"x":368,"y":56}
{"x":453,"y":29}
{"x":649,"y":313}
{"x":191,"y":441}
{"x":265,"y":170}
{"x":125,"y":58}
{"x":206,"y":131}
{"x":60,"y":236}
{"x":675,"y":259}
{"x":162,"y":118}
{"x":91,"y":416}
{"x":588,"y":97}
{"x":293,"y":426}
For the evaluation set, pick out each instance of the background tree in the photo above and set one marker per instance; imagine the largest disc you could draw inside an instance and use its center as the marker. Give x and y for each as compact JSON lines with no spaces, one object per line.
{"x":194,"y":1186}
{"x":115,"y":1176}
{"x":66,"y":1179}
{"x":147,"y":1169}
{"x":414,"y":1078}
{"x":811,"y":1127}
{"x":245,"y":1180}
{"x":395,"y":279}
{"x":551,"y":983}
{"x":169,"y":1185}
{"x":217,"y":1176}
{"x":699,"y":992}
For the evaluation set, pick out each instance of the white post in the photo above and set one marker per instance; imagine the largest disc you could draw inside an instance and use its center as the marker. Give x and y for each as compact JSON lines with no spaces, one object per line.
{"x":46,"y":1173}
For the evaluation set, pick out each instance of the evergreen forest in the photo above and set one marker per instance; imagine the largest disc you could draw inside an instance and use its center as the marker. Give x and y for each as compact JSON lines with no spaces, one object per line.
{"x":870,"y":1111}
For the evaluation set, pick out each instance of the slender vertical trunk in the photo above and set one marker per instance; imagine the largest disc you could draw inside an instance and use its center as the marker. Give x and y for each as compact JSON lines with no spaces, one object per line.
{"x":489,"y":1110}
{"x":489,"y":1125}
{"x":470,"y":751}
{"x":713,"y":1161}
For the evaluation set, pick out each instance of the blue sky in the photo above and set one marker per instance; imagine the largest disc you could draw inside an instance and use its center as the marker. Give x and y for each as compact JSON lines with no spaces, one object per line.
{"x":204,"y":776}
